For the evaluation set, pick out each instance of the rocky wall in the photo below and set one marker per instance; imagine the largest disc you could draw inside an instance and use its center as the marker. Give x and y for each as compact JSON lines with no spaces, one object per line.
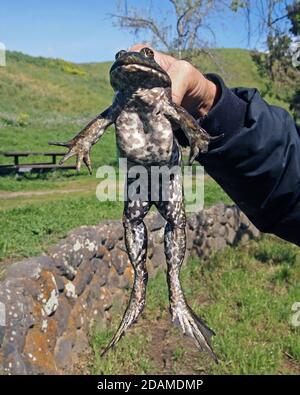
{"x":49,"y":303}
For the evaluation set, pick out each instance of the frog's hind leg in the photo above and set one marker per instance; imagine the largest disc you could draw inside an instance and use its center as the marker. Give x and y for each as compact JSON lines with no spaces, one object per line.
{"x":175,"y":246}
{"x":136,"y":244}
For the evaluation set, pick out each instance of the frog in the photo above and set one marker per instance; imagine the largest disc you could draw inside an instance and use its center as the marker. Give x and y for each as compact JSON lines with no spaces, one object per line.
{"x":145,"y":119}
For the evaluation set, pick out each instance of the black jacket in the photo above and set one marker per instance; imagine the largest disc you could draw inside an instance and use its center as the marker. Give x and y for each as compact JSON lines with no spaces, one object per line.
{"x":258,"y":161}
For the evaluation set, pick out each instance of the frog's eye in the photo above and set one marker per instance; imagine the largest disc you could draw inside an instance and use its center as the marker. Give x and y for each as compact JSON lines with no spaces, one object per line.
{"x":120,"y":53}
{"x":147,"y":52}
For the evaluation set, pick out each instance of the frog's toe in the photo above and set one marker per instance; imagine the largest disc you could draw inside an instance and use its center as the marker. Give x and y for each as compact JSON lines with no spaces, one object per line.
{"x":194,"y":327}
{"x":134,"y":310}
{"x":194,"y":152}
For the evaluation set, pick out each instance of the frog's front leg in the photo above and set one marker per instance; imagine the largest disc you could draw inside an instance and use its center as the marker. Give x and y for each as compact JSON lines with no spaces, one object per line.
{"x":175,"y":246}
{"x":81,"y":144}
{"x":136,"y":243}
{"x":198,"y":138}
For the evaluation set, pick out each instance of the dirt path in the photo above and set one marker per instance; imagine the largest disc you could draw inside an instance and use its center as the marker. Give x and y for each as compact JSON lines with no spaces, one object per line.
{"x":13,"y":195}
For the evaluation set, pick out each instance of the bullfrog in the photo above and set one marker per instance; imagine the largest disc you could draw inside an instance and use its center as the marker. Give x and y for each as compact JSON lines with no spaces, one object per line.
{"x":145,"y":119}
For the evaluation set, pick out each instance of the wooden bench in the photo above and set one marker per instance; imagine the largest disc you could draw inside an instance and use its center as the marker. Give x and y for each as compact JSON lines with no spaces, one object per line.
{"x":32,"y":167}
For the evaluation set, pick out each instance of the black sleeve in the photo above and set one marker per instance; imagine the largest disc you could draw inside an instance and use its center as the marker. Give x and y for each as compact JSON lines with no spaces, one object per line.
{"x":257,"y":162}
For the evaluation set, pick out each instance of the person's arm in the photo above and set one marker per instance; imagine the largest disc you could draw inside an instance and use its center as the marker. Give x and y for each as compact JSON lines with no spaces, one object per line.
{"x":258,"y":161}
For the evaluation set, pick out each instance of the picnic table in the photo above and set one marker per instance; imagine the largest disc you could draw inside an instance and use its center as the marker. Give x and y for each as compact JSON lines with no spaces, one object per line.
{"x":32,"y":167}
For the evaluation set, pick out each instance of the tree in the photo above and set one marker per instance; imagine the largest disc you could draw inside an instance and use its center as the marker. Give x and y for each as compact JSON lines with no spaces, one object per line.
{"x":183,"y":30}
{"x":277,"y":22}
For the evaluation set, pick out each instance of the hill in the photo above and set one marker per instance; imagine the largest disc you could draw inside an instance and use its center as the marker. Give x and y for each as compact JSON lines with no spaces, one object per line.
{"x":44,"y":99}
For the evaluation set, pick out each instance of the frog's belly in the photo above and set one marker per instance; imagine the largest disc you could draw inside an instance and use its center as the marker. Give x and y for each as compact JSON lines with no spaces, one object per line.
{"x":146,"y":142}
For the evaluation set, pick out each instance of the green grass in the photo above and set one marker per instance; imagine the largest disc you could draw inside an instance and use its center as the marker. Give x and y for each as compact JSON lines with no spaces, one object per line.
{"x":38,"y":221}
{"x":127,"y":355}
{"x":28,"y":230}
{"x":249,"y":305}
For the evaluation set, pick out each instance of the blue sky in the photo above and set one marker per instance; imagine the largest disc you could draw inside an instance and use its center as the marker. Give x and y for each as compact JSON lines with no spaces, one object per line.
{"x":82,"y":31}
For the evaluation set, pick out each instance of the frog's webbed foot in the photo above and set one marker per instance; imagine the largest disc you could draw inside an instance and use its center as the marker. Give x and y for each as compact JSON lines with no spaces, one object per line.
{"x":136,"y":243}
{"x":77,"y":147}
{"x":192,"y":326}
{"x":198,"y":137}
{"x":133,"y":311}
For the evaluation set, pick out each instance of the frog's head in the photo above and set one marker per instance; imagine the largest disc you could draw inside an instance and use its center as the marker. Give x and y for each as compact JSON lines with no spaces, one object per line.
{"x":133,"y":70}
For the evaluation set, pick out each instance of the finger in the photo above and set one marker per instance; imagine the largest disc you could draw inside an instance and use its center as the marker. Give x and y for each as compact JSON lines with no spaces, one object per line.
{"x":88,"y":163}
{"x":178,"y":73}
{"x":66,"y":144}
{"x":66,"y":157}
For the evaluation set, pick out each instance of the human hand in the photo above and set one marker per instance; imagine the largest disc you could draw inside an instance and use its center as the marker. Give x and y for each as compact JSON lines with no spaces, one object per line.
{"x":190,"y":88}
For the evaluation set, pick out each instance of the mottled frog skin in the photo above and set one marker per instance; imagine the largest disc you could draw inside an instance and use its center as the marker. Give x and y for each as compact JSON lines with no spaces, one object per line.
{"x":144,"y":116}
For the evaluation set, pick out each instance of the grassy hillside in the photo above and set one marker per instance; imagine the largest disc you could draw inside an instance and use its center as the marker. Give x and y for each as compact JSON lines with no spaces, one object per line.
{"x":43,"y":99}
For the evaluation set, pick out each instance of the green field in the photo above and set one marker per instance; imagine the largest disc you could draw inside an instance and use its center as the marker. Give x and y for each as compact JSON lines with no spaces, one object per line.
{"x":245,"y":294}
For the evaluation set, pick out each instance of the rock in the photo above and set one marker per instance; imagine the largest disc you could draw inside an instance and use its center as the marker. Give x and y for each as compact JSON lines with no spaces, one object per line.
{"x":219,"y":243}
{"x":120,"y":260}
{"x":158,"y":258}
{"x":2,"y":322}
{"x":158,"y":236}
{"x":84,"y":277}
{"x":30,"y":268}
{"x":101,"y":251}
{"x":254,"y":231}
{"x":102,"y":273}
{"x":190,"y":236}
{"x":154,"y":221}
{"x":111,"y":240}
{"x":48,"y":294}
{"x":15,"y":364}
{"x":231,"y":236}
{"x":244,"y":239}
{"x":222,"y":231}
{"x":63,"y":352}
{"x":62,"y":315}
{"x":113,"y":279}
{"x":229,"y":212}
{"x":59,"y":283}
{"x":193,"y":222}
{"x":70,"y":290}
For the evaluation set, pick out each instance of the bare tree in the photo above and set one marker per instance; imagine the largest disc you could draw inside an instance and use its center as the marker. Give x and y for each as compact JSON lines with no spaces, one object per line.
{"x":265,"y":18}
{"x":177,"y":33}
{"x":270,"y":21}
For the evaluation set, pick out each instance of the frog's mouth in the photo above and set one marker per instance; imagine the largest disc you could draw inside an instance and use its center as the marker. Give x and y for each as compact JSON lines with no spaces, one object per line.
{"x":140,"y":72}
